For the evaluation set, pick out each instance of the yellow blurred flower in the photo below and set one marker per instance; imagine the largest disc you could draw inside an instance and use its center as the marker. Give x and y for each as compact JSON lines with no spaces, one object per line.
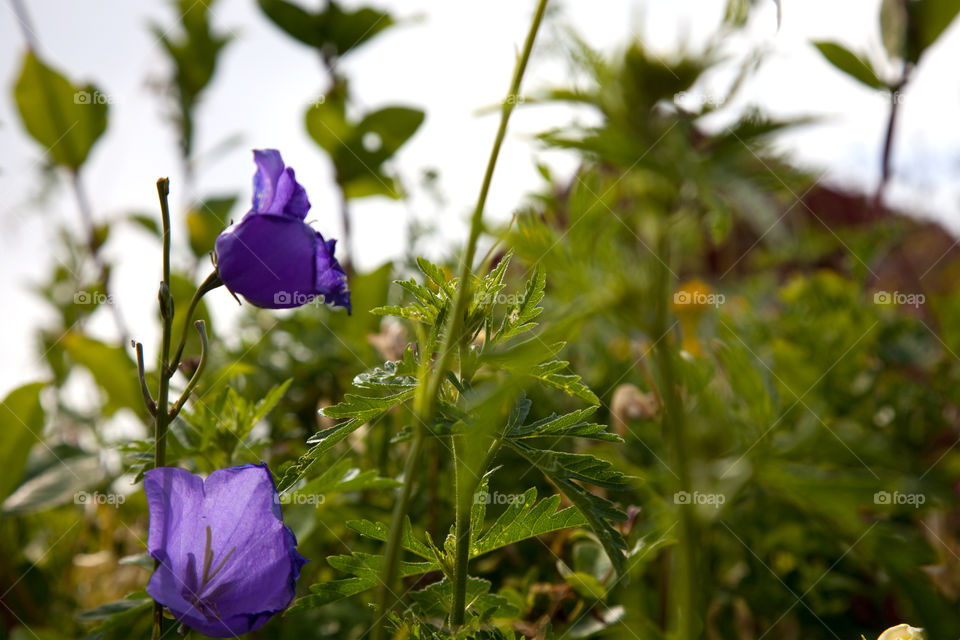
{"x":902,"y":632}
{"x":690,"y":300}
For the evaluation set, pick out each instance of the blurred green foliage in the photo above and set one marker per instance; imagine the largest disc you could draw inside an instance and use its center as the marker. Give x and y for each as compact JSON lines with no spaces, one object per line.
{"x":820,"y":409}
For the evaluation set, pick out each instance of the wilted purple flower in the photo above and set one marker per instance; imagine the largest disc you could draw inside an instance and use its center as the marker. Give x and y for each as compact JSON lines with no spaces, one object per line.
{"x":227,"y":561}
{"x":272,"y":257}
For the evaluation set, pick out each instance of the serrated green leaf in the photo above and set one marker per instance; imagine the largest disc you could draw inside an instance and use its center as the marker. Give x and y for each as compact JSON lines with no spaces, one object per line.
{"x":549,"y":374}
{"x":571,"y":425}
{"x":523,"y":519}
{"x":436,"y":600}
{"x":380,"y":531}
{"x":563,"y":468}
{"x":519,"y":317}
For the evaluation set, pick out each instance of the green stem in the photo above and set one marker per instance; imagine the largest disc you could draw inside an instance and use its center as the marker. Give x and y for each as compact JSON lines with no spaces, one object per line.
{"x":163,"y":395}
{"x":386,"y":597}
{"x":452,"y":339}
{"x":462,"y":534}
{"x":212,"y":282}
{"x":683,"y":585}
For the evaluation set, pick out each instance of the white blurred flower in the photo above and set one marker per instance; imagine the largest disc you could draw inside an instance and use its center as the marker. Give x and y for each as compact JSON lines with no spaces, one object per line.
{"x":902,"y":632}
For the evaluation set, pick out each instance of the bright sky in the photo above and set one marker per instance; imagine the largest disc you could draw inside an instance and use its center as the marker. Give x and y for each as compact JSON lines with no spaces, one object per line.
{"x":448,"y":58}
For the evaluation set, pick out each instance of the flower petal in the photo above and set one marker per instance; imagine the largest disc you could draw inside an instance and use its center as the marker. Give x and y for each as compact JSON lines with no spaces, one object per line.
{"x":331,"y":281}
{"x":269,"y":260}
{"x":227,"y":561}
{"x":269,"y":170}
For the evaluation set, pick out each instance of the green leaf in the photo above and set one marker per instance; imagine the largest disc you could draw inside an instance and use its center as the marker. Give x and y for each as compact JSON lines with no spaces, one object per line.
{"x":359,"y":150}
{"x":563,"y":468}
{"x":571,"y":425}
{"x":59,"y":484}
{"x":436,"y":601}
{"x":360,"y":410}
{"x":850,"y":63}
{"x":333,"y":30}
{"x":519,"y":317}
{"x":380,"y":531}
{"x":523,"y":519}
{"x":116,"y":608}
{"x":585,"y":585}
{"x":365,"y":571}
{"x":114,"y":371}
{"x":928,"y":19}
{"x":343,"y":477}
{"x":66,"y":119}
{"x":549,"y":374}
{"x":206,"y":220}
{"x":21,"y":421}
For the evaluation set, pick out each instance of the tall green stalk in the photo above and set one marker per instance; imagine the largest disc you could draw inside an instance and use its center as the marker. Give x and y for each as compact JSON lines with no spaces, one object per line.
{"x":163,"y":395}
{"x":683,"y":598}
{"x":426,"y":405}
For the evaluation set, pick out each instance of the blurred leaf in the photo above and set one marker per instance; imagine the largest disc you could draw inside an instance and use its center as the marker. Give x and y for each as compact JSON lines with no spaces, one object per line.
{"x":332,"y":31}
{"x":194,"y":55}
{"x":850,"y":63}
{"x":926,"y":20}
{"x":21,"y":418}
{"x":58,"y":485}
{"x":67,"y":120}
{"x":114,"y":371}
{"x":359,"y":150}
{"x":206,"y":220}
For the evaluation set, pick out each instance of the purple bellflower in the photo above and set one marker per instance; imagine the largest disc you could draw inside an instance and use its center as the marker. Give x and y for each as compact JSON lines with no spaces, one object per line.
{"x":227,"y":561}
{"x":272,"y":257}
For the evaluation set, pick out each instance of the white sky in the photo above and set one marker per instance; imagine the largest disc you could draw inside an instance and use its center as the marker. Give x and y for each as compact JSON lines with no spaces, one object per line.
{"x":448,"y":58}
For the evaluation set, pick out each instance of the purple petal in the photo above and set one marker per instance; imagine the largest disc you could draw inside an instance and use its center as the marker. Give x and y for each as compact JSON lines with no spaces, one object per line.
{"x":235,"y":514}
{"x":269,"y":169}
{"x":331,"y":281}
{"x":269,"y":260}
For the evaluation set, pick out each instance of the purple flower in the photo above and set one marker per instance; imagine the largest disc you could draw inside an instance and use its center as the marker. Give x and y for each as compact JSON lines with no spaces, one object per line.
{"x":272,"y":257}
{"x":227,"y":561}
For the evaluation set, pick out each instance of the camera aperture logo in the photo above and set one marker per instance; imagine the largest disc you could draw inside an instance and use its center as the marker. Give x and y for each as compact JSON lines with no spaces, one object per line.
{"x":902,"y":299}
{"x":915,"y":500}
{"x":699,"y":298}
{"x":498,"y":498}
{"x":511,"y":299}
{"x":95,"y":97}
{"x":91,"y":297}
{"x":296,"y":298}
{"x":112,"y":499}
{"x":315,"y":499}
{"x":698,"y":498}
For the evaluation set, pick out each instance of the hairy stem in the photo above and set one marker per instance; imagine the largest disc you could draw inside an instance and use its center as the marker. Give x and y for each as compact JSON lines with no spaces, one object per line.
{"x":683,"y":599}
{"x":451,"y":341}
